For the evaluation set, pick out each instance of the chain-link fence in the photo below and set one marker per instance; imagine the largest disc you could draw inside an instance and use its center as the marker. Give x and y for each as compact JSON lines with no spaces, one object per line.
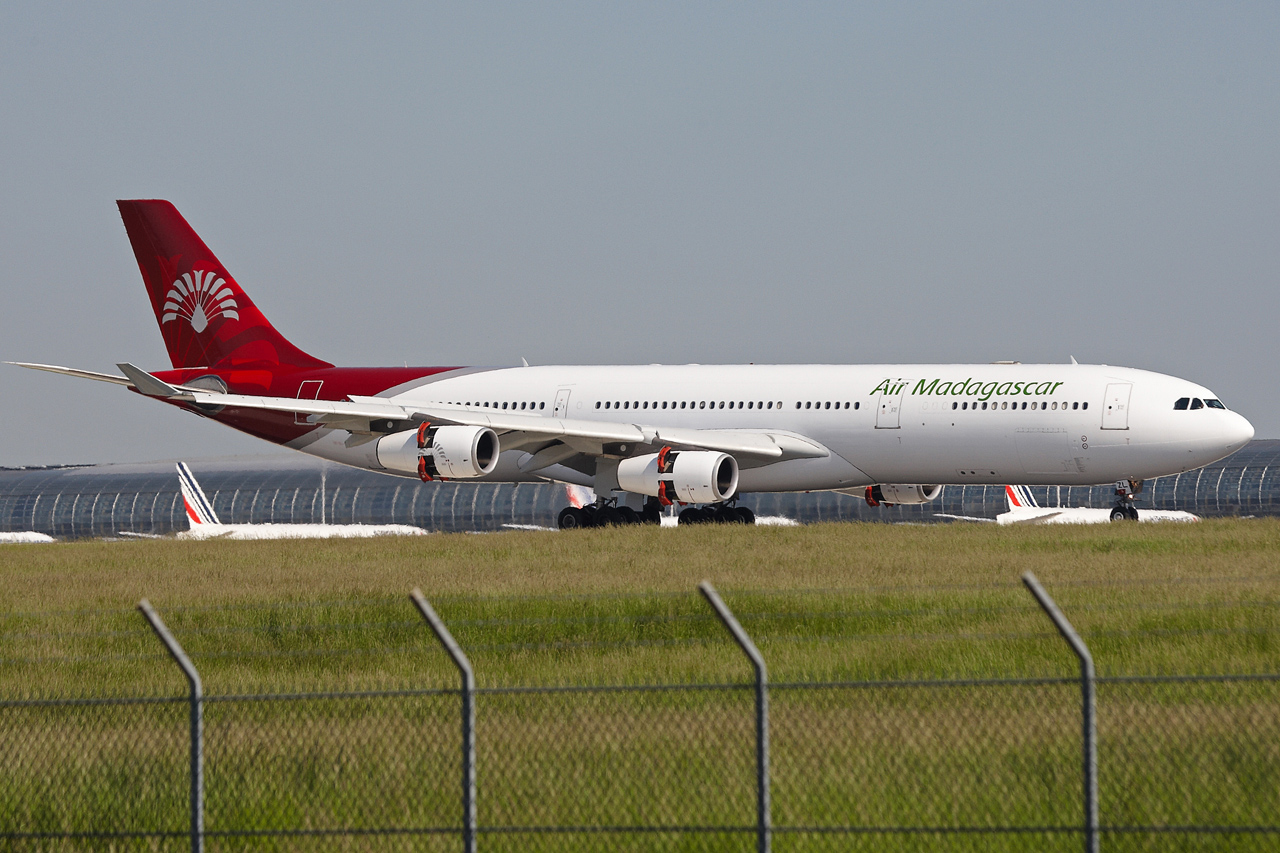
{"x":992,"y":763}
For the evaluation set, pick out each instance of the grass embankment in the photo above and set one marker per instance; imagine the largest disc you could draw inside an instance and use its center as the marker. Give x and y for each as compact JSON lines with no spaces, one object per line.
{"x":618,"y":607}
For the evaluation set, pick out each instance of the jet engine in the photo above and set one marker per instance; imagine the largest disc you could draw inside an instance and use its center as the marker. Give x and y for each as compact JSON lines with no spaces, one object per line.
{"x":447,"y":452}
{"x":690,"y":476}
{"x":889,"y":494}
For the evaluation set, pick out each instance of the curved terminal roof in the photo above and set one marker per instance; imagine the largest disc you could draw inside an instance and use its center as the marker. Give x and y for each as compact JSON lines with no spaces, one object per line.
{"x":107,"y":500}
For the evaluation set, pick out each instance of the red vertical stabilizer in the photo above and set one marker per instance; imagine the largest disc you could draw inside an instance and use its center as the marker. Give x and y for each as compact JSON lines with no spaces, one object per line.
{"x":205,"y":318}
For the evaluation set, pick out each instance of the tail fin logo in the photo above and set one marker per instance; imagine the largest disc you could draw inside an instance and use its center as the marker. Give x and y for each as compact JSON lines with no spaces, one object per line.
{"x":200,"y":297}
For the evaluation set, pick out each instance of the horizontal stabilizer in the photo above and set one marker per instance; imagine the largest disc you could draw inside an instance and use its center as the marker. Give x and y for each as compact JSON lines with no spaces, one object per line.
{"x":71,"y":371}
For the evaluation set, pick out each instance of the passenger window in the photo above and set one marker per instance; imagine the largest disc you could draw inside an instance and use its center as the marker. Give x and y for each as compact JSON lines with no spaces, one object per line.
{"x":964,"y":405}
{"x":955,"y":405}
{"x":1214,"y":404}
{"x":722,"y":404}
{"x":808,"y":405}
{"x":702,"y":405}
{"x":984,"y":407}
{"x":857,"y":405}
{"x":542,"y":405}
{"x":1055,"y":406}
{"x":1197,"y":403}
{"x":1084,"y":405}
{"x":1075,"y":406}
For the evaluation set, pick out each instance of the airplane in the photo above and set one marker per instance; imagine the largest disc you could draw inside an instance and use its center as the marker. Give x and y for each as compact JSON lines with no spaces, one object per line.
{"x":204,"y":524}
{"x":1023,"y":509}
{"x":24,"y":537}
{"x":644,"y":437}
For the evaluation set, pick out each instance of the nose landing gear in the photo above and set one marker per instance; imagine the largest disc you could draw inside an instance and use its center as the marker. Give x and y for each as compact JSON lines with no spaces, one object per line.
{"x":1124,"y":509}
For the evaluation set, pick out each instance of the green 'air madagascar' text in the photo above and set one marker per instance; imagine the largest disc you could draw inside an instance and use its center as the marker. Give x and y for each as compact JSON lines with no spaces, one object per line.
{"x":970,"y":388}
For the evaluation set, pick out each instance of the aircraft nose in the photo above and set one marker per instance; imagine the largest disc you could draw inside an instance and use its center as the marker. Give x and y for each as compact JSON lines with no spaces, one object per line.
{"x":1238,"y":432}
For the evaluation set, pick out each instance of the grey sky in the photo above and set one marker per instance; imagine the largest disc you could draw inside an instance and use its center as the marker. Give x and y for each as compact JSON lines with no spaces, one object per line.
{"x":469,"y":184}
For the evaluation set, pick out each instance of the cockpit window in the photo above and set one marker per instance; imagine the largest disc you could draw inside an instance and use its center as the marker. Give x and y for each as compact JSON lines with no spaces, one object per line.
{"x":1181,"y":403}
{"x":1197,"y":403}
{"x":1214,"y":404}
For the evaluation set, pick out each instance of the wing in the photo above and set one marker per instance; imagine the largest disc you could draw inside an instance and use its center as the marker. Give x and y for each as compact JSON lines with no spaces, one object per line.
{"x":551,"y":439}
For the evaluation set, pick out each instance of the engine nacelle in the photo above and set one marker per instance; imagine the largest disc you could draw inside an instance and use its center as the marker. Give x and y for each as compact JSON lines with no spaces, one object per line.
{"x":690,"y":476}
{"x":896,"y":493}
{"x":447,"y":452}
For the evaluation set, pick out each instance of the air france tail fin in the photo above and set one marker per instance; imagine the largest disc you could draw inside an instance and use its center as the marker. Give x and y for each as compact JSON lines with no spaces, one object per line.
{"x":205,"y":318}
{"x":1019,"y":497}
{"x":199,"y":509}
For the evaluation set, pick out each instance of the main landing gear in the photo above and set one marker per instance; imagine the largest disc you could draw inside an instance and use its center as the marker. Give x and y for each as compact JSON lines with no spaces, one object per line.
{"x":609,"y":514}
{"x":717,"y":514}
{"x":1124,"y":509}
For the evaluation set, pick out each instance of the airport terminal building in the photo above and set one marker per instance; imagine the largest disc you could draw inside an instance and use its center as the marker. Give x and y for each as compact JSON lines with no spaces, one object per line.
{"x":110,"y":500}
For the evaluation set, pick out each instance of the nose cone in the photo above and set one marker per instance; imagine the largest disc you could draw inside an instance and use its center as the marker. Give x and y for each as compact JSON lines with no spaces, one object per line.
{"x":1236,"y":432}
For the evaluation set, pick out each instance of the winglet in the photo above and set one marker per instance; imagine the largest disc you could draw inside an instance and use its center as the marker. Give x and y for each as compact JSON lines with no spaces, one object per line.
{"x":148,"y":384}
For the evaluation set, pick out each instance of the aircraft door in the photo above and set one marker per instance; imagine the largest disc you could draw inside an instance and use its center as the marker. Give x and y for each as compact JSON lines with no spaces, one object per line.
{"x":309,"y":390}
{"x":561,"y":408}
{"x":1115,"y":408}
{"x":888,"y":416}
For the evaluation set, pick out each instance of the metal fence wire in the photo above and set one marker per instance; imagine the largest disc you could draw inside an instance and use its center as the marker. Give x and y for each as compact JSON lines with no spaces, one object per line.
{"x":1185,"y":762}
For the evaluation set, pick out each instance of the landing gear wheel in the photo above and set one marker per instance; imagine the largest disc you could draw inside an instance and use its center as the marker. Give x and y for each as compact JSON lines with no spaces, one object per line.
{"x":1118,"y":514}
{"x":628,"y":515}
{"x":1133,"y":513}
{"x":692,"y":515}
{"x":652,"y":513}
{"x":745,"y":515}
{"x":572,"y":518}
{"x":607,"y":516}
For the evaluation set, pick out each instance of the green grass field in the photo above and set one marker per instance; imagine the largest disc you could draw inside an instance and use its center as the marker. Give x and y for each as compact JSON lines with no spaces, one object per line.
{"x":826,"y":603}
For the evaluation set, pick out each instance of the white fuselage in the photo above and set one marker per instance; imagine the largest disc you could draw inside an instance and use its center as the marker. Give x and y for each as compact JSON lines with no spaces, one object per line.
{"x":1085,"y":515}
{"x":255,"y":532}
{"x":946,"y":424}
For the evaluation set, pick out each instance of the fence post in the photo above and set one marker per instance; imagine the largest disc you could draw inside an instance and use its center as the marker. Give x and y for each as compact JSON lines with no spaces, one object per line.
{"x":468,"y":717}
{"x":1088,"y":713}
{"x":197,"y":721}
{"x":764,"y":830}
